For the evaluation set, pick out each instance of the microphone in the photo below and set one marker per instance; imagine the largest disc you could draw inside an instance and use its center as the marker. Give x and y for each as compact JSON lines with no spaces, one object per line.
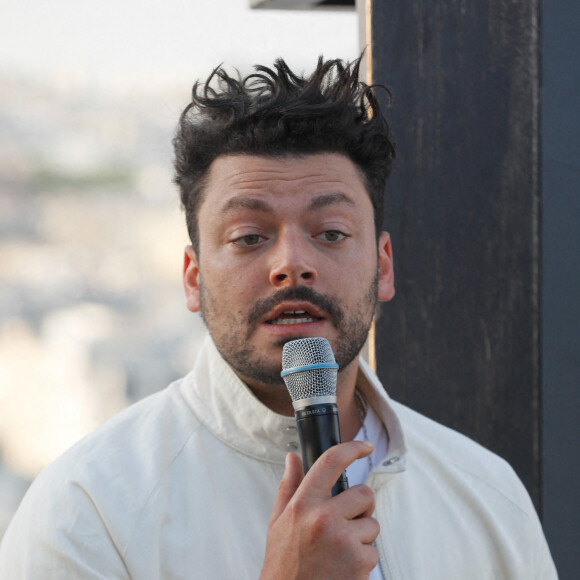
{"x":309,"y":371}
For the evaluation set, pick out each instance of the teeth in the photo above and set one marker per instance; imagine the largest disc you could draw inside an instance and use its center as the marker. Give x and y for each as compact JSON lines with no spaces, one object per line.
{"x":292,"y":320}
{"x":293,"y":317}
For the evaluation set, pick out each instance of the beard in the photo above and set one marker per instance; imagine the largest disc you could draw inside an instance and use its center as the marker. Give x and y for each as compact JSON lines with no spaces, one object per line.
{"x":234,"y":342}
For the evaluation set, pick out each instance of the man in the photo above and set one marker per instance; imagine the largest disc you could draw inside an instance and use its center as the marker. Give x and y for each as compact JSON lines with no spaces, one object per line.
{"x":282,"y":181}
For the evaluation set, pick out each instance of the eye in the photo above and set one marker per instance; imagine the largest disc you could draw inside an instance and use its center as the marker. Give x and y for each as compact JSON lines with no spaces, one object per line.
{"x":248,"y":240}
{"x":332,"y":236}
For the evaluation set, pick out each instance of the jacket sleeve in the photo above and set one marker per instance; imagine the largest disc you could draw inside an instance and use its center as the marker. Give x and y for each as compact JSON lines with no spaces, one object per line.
{"x":542,"y":567}
{"x":58,"y":533}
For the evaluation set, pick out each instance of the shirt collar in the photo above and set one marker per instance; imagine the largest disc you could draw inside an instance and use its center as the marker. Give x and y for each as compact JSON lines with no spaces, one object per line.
{"x":377,"y":397}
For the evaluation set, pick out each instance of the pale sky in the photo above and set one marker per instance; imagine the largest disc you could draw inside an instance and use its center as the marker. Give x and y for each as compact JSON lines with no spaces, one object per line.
{"x":165,"y":38}
{"x":103,"y":43}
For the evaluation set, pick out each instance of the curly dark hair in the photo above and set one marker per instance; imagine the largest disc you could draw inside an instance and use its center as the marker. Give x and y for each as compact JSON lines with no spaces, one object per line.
{"x":277,"y":113}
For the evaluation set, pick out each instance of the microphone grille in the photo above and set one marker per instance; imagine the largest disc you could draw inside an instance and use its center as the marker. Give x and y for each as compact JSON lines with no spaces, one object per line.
{"x":312,"y":382}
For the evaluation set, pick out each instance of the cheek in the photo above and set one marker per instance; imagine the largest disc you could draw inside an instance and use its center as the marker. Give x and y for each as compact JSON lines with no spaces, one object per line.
{"x":245,"y":277}
{"x":361,"y":281}
{"x":237,"y":284}
{"x":354,"y":271}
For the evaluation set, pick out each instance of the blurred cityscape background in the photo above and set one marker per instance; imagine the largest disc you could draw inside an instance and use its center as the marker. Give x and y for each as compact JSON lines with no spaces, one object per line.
{"x":92,"y":315}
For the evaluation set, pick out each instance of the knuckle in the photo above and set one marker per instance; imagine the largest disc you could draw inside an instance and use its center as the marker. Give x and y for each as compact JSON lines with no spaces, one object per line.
{"x":373,"y":531}
{"x":297,"y":507}
{"x":366,"y":492}
{"x":321,"y":523}
{"x":366,"y":496}
{"x":373,"y":556}
{"x":367,"y":559}
{"x":361,"y":561}
{"x":344,"y":538}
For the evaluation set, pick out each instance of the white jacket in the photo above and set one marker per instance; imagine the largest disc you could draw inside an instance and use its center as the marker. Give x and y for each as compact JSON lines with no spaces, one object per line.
{"x":181,"y":485}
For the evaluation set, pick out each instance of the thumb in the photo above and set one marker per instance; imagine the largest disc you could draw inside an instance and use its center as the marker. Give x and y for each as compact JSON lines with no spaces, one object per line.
{"x":292,"y":478}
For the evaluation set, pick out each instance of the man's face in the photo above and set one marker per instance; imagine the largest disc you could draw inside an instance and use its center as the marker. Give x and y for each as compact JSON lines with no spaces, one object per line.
{"x":287,"y":250}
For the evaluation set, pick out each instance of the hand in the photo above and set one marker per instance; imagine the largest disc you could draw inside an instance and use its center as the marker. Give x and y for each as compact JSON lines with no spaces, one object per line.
{"x":312,"y":535}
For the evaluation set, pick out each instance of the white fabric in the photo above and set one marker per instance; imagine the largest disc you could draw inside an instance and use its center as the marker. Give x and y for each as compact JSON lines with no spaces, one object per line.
{"x":181,"y":485}
{"x":373,"y":430}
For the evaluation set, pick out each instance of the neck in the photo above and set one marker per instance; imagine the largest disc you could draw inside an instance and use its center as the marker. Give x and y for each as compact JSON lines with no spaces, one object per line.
{"x":278,"y":400}
{"x":350,"y":421}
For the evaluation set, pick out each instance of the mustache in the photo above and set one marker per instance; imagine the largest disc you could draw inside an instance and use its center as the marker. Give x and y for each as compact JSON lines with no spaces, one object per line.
{"x":304,"y":293}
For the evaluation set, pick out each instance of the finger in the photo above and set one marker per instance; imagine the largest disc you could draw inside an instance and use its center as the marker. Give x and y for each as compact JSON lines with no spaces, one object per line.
{"x":365,"y":530}
{"x":368,"y":557}
{"x":356,"y":502}
{"x":293,"y":476}
{"x":327,"y":468}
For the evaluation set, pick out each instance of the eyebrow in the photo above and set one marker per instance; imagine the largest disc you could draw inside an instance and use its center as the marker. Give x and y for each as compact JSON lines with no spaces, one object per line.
{"x":256,"y":204}
{"x":327,"y":199}
{"x":252,"y":203}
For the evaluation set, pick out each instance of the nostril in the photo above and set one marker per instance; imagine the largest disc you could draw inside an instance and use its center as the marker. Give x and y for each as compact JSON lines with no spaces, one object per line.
{"x":280,"y":277}
{"x":306,"y":275}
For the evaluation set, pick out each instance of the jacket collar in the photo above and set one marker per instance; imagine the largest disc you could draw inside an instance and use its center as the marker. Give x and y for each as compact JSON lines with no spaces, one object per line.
{"x":227,"y":407}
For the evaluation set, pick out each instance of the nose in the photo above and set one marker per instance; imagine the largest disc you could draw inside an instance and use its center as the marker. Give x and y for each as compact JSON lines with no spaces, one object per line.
{"x":292,"y":262}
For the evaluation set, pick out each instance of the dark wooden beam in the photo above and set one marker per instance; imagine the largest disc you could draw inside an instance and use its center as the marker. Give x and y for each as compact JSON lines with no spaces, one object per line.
{"x":461,"y":340}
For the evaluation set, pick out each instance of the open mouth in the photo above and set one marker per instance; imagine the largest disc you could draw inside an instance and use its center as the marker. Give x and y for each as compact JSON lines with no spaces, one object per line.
{"x":293,"y":317}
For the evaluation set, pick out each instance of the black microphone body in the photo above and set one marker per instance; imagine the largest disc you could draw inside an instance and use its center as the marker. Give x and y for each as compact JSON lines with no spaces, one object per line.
{"x":319,"y":429}
{"x":309,"y":370}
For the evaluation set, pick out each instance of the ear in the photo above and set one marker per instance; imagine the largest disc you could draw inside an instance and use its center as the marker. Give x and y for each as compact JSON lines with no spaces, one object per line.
{"x":386,"y":270}
{"x":191,"y":279}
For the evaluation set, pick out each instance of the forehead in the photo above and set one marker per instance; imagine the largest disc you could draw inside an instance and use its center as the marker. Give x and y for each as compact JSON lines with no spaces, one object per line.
{"x":279,"y":178}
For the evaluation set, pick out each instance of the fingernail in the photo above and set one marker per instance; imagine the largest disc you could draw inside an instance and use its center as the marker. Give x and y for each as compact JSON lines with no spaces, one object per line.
{"x":369,"y":444}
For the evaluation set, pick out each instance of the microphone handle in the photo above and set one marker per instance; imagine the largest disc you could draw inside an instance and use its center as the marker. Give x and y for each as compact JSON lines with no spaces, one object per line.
{"x":319,"y":429}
